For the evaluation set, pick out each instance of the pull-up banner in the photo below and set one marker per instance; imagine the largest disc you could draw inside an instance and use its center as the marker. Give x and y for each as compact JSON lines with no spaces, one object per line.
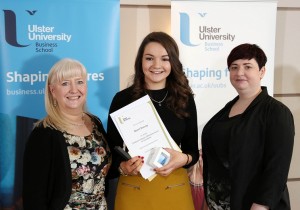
{"x":206,"y":32}
{"x":34,"y":35}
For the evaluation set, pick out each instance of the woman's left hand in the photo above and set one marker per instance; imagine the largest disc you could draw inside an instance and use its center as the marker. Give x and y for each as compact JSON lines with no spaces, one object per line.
{"x":177,"y":160}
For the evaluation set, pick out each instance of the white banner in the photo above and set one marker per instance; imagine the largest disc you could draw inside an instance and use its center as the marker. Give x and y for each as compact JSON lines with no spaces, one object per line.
{"x":206,"y":32}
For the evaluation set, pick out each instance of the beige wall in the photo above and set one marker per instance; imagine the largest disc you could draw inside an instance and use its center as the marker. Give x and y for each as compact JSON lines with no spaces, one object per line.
{"x":139,"y":17}
{"x":287,"y":83}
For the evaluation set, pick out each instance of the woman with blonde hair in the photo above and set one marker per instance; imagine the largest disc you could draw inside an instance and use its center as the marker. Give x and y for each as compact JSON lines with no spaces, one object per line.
{"x":67,"y":156}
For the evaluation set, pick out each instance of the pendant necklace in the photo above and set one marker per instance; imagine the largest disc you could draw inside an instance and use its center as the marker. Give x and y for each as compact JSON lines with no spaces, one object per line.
{"x":159,"y":102}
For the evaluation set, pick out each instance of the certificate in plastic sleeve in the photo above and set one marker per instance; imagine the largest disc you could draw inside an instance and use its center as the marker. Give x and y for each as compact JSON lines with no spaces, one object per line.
{"x":142,"y":129}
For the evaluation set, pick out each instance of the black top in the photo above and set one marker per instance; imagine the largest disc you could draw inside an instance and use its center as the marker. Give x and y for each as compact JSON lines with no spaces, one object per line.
{"x":259,"y":153}
{"x":183,"y":131}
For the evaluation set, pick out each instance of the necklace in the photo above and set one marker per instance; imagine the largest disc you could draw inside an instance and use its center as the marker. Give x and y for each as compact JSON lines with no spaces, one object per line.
{"x":159,"y":102}
{"x":79,"y":124}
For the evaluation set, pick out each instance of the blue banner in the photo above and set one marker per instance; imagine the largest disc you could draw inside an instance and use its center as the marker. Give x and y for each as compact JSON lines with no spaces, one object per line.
{"x":34,"y":35}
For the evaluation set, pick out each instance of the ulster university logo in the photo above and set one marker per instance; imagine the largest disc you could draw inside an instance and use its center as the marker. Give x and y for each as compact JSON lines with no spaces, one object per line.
{"x":10,"y":23}
{"x":205,"y":32}
{"x":185,"y":29}
{"x":45,"y":37}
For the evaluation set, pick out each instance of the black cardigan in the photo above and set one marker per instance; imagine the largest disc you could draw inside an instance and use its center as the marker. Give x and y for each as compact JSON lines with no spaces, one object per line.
{"x":47,"y":160}
{"x":260,"y":151}
{"x":183,"y":131}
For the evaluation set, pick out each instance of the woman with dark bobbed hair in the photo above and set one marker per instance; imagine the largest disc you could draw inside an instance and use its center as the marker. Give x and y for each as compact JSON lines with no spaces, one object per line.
{"x":247,"y":146}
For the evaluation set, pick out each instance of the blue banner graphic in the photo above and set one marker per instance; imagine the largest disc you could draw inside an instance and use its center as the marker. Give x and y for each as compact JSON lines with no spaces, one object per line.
{"x":34,"y":35}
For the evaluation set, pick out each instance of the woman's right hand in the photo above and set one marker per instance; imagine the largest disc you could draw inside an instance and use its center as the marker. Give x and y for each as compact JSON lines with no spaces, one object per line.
{"x":133,"y":166}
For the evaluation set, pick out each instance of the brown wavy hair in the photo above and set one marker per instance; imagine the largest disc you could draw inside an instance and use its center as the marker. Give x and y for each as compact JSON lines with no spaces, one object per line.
{"x":177,"y":83}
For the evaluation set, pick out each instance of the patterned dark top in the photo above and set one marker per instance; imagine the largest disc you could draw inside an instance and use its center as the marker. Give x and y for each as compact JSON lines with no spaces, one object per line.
{"x":218,"y":180}
{"x":90,"y":160}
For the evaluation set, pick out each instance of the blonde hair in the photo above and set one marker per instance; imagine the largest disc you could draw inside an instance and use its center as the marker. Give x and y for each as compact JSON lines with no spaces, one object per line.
{"x":64,"y":69}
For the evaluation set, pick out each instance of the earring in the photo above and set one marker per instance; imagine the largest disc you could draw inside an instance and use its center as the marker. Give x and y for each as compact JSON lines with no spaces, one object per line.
{"x":54,"y":103}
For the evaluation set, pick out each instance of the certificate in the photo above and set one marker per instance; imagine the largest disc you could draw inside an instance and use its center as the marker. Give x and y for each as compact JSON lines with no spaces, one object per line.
{"x":142,"y":129}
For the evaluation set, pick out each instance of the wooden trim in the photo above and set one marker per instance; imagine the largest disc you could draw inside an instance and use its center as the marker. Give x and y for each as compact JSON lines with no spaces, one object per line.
{"x":286,"y":4}
{"x":294,"y":180}
{"x":286,"y":95}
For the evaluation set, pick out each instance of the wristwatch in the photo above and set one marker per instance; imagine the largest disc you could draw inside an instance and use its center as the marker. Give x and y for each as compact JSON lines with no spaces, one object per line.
{"x":122,"y":172}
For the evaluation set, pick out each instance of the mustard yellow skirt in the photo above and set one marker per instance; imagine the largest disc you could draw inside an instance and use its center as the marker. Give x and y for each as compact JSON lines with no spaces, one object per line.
{"x":162,"y":193}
